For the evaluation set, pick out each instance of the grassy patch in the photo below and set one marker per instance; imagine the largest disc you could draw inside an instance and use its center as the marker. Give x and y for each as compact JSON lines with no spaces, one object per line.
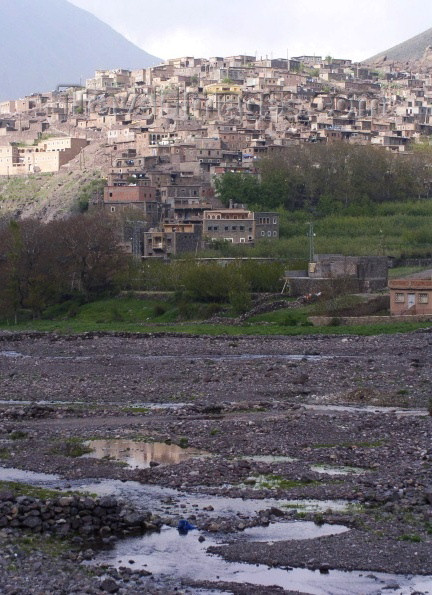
{"x":248,"y":329}
{"x":18,"y":435}
{"x":410,"y":537}
{"x":399,"y":272}
{"x":127,"y":314}
{"x":51,"y":547}
{"x":141,"y":410}
{"x":4,"y":454}
{"x":72,"y":447}
{"x":277,"y":482}
{"x":350,"y":445}
{"x":24,"y":489}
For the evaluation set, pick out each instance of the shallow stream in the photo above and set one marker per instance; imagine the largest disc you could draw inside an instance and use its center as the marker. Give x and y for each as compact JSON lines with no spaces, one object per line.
{"x":172,"y":557}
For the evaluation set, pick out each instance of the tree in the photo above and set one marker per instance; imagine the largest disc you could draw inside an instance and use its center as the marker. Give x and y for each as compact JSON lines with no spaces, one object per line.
{"x":43,"y":264}
{"x":239,"y":188}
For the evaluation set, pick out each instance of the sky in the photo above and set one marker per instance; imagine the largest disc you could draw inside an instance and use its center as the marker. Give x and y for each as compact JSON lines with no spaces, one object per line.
{"x":273,"y":28}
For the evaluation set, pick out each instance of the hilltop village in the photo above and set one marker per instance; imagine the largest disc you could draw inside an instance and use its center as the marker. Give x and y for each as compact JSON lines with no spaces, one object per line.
{"x":161,"y":136}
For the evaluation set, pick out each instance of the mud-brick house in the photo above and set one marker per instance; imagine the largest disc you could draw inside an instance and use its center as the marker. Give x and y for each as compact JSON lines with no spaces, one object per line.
{"x":123,"y":198}
{"x":172,"y":239}
{"x":410,"y":296}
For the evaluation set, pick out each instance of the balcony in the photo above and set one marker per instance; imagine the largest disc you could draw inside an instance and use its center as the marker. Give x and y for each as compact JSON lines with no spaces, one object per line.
{"x":210,"y":161}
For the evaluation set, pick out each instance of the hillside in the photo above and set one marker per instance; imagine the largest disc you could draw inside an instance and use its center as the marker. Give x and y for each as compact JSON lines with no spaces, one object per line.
{"x":412,"y":50}
{"x":47,"y":42}
{"x":51,"y":196}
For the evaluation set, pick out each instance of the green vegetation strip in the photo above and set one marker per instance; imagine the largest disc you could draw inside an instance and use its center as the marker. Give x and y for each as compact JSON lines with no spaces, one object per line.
{"x":24,"y":489}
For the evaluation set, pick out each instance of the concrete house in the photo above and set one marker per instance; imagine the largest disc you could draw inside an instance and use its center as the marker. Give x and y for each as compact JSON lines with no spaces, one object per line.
{"x":240,"y":226}
{"x":46,"y":156}
{"x":410,"y":296}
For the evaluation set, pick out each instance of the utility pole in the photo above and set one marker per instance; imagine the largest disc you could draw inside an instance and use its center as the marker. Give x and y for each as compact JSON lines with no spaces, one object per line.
{"x":311,"y":236}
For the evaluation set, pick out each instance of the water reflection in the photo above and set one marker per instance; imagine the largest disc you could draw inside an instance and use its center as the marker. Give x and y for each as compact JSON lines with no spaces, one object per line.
{"x":164,"y":555}
{"x":141,"y":455}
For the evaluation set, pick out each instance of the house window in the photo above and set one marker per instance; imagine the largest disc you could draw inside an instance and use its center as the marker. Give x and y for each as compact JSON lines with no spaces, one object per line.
{"x":423,"y":298}
{"x":275,"y":234}
{"x":400,"y":298}
{"x":274,"y":220}
{"x":226,"y":228}
{"x":269,"y":233}
{"x":242,"y":240}
{"x":112,"y":209}
{"x":263,"y":233}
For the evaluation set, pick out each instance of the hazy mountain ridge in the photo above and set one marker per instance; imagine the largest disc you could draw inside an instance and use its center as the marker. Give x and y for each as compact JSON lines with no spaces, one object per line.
{"x":411,"y":50}
{"x":47,"y":42}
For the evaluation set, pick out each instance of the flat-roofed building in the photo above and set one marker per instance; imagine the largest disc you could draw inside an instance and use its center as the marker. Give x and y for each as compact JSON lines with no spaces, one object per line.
{"x":240,"y":226}
{"x":410,"y":296}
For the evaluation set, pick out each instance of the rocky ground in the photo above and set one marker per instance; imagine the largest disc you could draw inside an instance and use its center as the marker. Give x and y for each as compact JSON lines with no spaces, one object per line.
{"x":309,"y":402}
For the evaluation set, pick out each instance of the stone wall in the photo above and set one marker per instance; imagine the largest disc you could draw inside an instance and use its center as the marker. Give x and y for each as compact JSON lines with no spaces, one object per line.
{"x":360,"y":320}
{"x":66,"y":515}
{"x":329,"y":287}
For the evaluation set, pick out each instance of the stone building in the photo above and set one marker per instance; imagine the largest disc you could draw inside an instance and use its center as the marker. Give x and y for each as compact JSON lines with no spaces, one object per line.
{"x":338,"y":274}
{"x":172,"y":239}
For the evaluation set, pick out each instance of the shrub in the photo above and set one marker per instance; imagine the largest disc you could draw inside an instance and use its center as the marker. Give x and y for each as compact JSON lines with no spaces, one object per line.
{"x":159,"y":310}
{"x":240,"y":301}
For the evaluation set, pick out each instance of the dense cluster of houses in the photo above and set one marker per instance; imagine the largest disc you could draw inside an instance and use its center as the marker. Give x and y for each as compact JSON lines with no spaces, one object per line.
{"x":170,"y":130}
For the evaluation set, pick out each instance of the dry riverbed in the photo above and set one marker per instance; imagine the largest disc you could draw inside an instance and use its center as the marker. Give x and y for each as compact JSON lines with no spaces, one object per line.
{"x":332,"y":431}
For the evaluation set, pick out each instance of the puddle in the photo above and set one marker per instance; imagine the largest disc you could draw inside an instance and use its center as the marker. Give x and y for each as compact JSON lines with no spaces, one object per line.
{"x":11,"y":354}
{"x":329,"y":470}
{"x":140,"y":455}
{"x":151,"y":406}
{"x":367,"y":409}
{"x":284,"y":531}
{"x":171,"y":556}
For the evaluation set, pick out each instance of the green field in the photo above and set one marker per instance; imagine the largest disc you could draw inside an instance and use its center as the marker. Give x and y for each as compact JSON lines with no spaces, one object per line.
{"x":392,"y":228}
{"x":136,"y":315}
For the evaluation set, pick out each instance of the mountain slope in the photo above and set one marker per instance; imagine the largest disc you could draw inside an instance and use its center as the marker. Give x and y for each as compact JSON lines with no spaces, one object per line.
{"x":47,"y":42}
{"x":408,"y":51}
